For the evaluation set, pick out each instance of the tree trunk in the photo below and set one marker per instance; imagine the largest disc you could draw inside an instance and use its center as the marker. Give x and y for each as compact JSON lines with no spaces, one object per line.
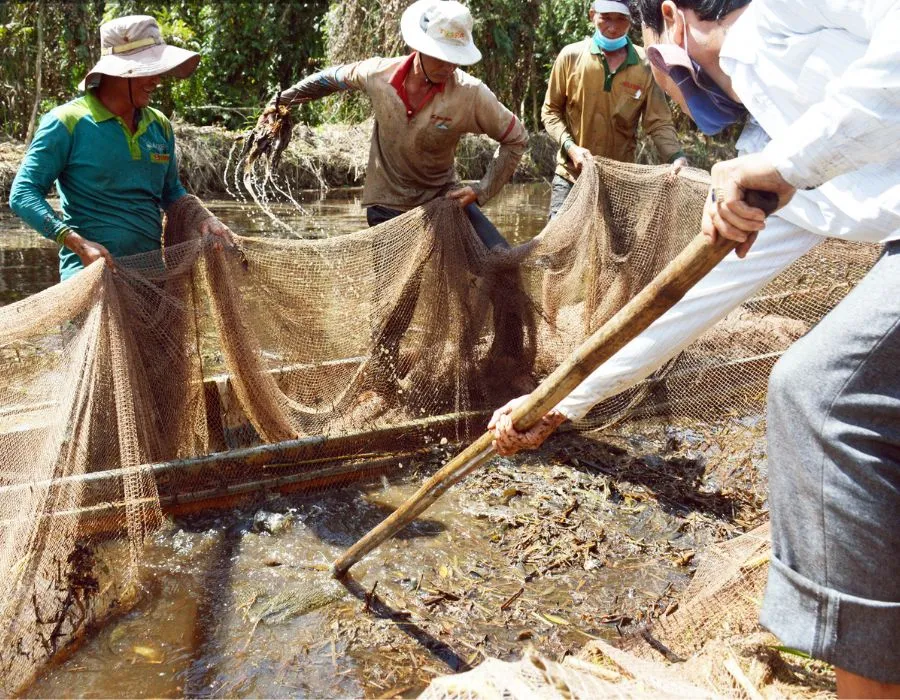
{"x":37,"y":73}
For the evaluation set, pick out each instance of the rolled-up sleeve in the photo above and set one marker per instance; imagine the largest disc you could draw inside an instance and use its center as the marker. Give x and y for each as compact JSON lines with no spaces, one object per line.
{"x":657,"y":122}
{"x":858,"y":122}
{"x":45,"y":159}
{"x":503,"y":126}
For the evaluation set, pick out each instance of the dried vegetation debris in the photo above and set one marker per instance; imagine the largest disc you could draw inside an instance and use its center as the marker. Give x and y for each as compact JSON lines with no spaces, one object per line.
{"x":11,"y":154}
{"x":327,"y":156}
{"x":595,"y":536}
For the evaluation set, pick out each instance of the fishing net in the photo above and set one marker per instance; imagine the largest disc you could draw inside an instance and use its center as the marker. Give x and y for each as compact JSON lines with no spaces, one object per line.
{"x":117,"y":385}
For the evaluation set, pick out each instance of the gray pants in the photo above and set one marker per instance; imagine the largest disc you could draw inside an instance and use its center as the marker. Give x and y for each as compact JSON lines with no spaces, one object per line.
{"x":559,"y":190}
{"x":834,"y":483}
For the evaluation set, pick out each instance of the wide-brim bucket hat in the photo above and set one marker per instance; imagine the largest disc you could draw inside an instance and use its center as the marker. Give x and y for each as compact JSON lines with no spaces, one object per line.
{"x":441,"y":29}
{"x":133,"y":47}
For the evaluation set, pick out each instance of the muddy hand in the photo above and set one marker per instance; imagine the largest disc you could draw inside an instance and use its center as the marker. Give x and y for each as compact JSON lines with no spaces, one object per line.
{"x":213,"y":227}
{"x":508,"y":441}
{"x":579,"y":156}
{"x":266,"y":118}
{"x":678,"y":164}
{"x":88,"y":251}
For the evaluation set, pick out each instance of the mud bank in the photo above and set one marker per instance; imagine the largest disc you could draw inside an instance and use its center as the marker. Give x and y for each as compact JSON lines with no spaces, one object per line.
{"x":333,"y":155}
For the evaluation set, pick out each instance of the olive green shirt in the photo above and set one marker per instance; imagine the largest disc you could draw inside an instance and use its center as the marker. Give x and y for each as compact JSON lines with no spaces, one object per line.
{"x":600,"y":110}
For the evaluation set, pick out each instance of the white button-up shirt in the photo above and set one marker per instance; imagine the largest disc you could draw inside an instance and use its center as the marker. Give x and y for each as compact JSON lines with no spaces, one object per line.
{"x":822,"y":79}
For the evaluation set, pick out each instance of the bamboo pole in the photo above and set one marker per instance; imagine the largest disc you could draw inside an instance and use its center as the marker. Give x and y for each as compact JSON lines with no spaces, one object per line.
{"x":100,"y":518}
{"x":699,"y":257}
{"x":315,"y":448}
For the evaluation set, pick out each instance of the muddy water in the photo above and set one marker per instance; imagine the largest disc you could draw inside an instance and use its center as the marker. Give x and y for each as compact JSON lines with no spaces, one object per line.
{"x":581,"y":541}
{"x":28,"y":262}
{"x":240,"y":604}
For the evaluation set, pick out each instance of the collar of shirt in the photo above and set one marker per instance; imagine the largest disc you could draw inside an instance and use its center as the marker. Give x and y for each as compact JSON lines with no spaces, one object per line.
{"x":632,"y":59}
{"x":398,"y":82}
{"x":101,"y":114}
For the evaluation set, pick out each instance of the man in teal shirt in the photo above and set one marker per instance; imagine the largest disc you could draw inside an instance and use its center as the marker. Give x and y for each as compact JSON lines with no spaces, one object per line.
{"x":110,"y":153}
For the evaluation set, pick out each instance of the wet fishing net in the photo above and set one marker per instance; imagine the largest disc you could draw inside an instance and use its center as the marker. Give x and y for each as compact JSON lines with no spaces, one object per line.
{"x":310,"y":360}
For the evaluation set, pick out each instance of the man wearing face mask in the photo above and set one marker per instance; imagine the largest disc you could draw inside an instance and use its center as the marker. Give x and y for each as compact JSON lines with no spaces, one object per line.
{"x":423,"y":104}
{"x":821,"y":84}
{"x":600,"y":89}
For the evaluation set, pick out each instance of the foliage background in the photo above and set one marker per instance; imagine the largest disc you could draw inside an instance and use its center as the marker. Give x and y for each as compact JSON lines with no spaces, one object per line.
{"x":252,"y":48}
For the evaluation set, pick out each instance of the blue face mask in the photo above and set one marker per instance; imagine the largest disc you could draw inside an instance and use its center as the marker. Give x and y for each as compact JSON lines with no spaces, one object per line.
{"x":710,"y":107}
{"x":604,"y":44}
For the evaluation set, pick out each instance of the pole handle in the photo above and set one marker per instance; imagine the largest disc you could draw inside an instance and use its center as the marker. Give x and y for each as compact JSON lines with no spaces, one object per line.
{"x":767,"y":201}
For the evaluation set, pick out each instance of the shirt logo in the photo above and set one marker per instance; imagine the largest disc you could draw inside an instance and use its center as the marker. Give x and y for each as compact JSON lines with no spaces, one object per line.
{"x":442,"y":123}
{"x":159,"y":157}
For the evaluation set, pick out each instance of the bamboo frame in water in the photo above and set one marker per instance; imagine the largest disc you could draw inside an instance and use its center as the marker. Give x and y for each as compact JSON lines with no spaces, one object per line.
{"x":405,"y":436}
{"x":95,"y":520}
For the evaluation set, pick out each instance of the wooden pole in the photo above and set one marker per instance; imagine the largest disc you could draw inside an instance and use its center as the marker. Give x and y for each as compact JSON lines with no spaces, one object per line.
{"x":38,"y":63}
{"x":394,"y":439}
{"x":99,"y":519}
{"x":662,"y":293}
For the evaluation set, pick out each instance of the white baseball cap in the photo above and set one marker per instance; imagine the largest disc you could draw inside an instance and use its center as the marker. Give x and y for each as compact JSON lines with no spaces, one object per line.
{"x":441,"y":29}
{"x":611,"y":6}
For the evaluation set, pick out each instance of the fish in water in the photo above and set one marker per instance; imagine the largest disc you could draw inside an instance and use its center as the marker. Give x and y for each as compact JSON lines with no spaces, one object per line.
{"x":295,"y":599}
{"x":272,"y":523}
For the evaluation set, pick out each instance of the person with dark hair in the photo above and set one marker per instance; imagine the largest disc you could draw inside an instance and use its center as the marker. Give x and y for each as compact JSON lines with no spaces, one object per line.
{"x":819,"y":86}
{"x":600,"y":90}
{"x":705,"y":10}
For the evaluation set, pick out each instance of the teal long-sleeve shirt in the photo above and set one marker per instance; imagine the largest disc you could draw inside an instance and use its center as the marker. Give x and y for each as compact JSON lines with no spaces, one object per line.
{"x":112,"y":184}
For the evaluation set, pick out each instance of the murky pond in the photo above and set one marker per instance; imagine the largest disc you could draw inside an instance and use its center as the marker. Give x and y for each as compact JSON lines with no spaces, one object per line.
{"x":584,"y":539}
{"x":547,"y":551}
{"x":28,"y":261}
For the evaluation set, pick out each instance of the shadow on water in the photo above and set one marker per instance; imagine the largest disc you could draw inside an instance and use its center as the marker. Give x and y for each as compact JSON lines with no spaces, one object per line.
{"x":376,"y":606}
{"x":344,"y":529}
{"x":214,"y":583}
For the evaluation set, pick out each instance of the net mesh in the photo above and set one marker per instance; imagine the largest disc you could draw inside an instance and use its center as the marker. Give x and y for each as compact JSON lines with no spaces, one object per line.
{"x":373,"y":342}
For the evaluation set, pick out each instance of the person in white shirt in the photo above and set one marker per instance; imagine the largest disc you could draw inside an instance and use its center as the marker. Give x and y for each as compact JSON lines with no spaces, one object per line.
{"x":820,"y":83}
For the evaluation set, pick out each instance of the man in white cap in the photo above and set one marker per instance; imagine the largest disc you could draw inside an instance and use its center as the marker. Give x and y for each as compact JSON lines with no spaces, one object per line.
{"x":423,"y":105}
{"x":600,"y":89}
{"x":110,"y":153}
